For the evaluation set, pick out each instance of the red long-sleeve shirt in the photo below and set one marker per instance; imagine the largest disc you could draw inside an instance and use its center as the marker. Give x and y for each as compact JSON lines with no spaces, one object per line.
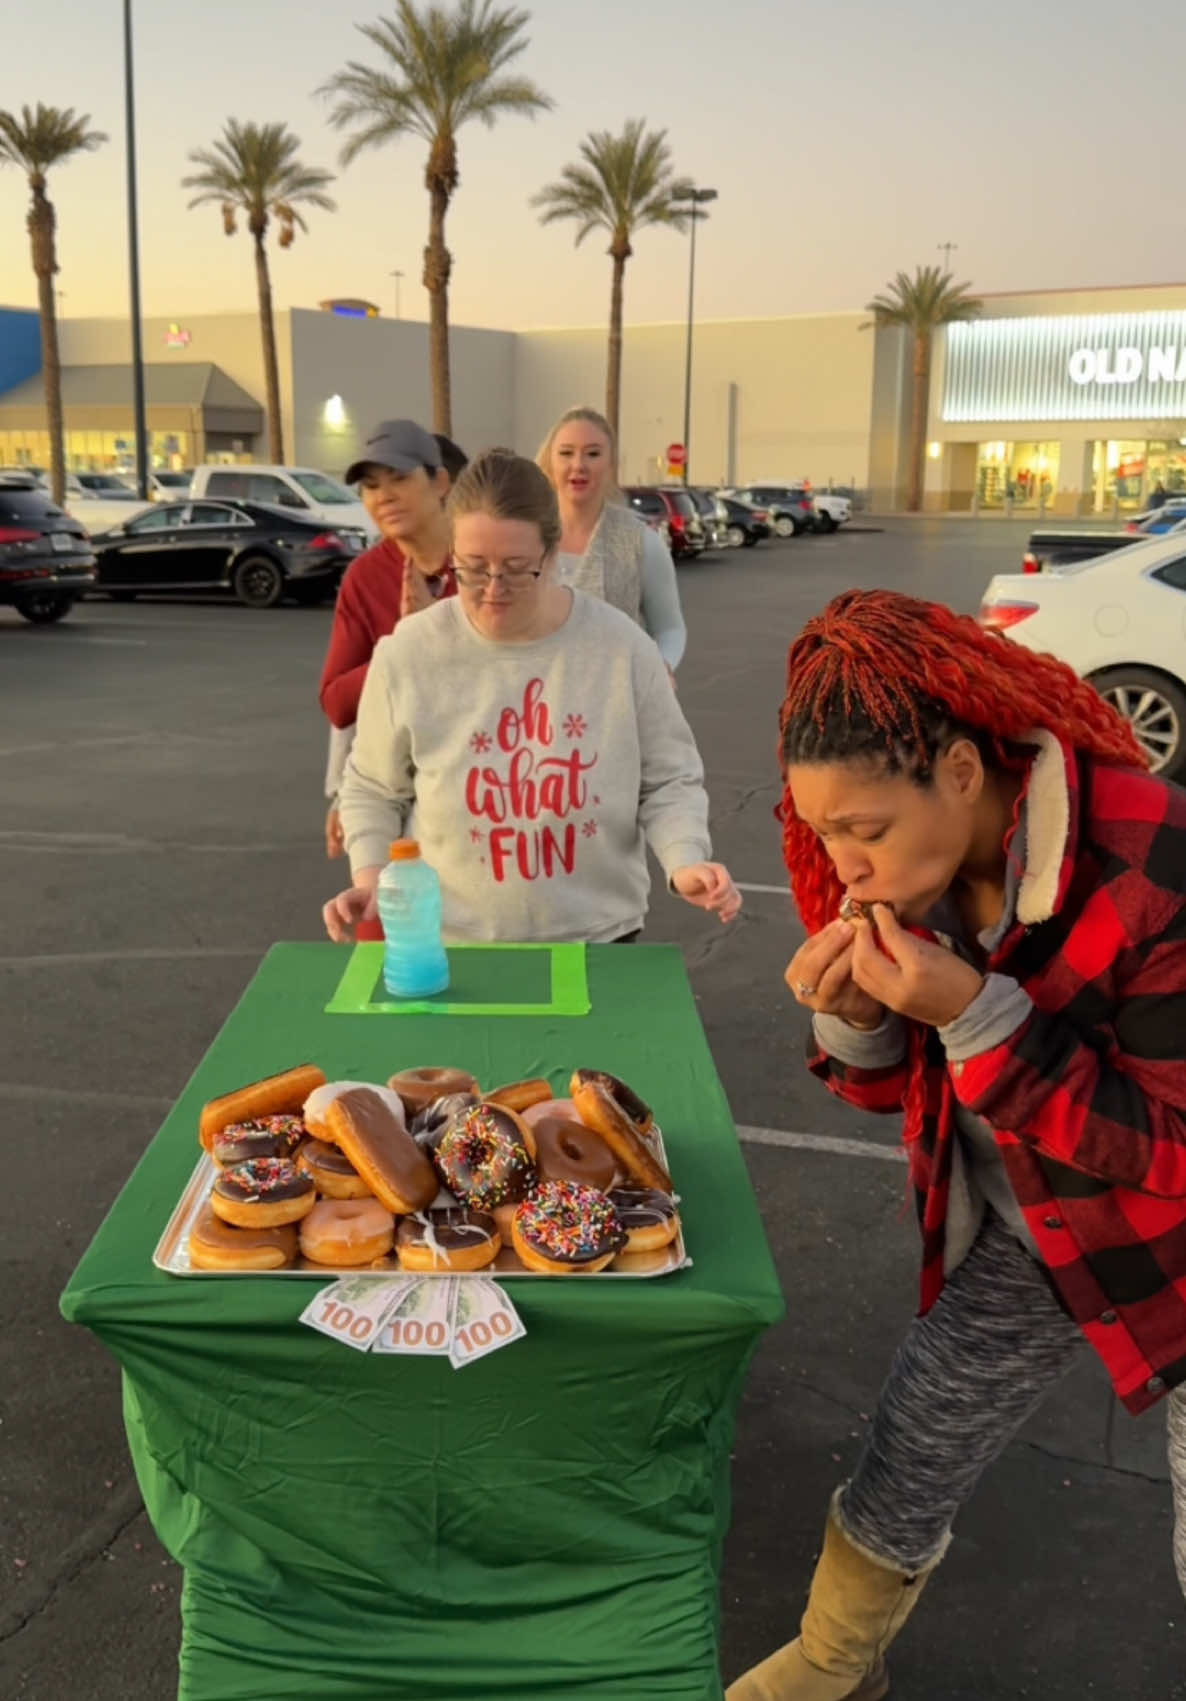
{"x":367,"y":609}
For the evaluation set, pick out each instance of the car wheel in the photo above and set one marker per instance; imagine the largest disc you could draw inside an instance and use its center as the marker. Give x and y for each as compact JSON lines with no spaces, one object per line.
{"x":824,"y":523}
{"x":44,"y":607}
{"x":308,"y":593}
{"x":750,"y":540}
{"x":1155,"y":708}
{"x":735,"y":536}
{"x":784,"y":526}
{"x":122,"y":596}
{"x":258,"y":582}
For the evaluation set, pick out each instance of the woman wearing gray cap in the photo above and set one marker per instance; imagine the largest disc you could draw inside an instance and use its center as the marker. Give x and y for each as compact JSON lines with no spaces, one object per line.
{"x":404,"y":474}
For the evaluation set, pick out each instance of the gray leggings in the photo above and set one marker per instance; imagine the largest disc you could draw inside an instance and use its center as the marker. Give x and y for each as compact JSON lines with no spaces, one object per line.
{"x":962,"y":1383}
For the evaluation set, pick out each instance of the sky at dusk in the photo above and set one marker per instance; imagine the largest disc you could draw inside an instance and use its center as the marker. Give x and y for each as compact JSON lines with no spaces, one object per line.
{"x":845,"y":140}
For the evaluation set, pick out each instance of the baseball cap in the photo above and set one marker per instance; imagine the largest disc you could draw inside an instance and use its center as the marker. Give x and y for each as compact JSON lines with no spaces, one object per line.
{"x":397,"y":443}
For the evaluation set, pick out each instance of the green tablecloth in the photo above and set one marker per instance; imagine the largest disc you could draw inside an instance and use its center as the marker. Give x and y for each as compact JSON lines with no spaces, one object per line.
{"x":545,"y":1523}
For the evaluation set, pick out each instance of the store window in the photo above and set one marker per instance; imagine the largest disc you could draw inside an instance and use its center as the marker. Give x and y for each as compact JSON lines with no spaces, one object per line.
{"x":1024,"y":475}
{"x":1118,"y":469}
{"x":1167,"y":467}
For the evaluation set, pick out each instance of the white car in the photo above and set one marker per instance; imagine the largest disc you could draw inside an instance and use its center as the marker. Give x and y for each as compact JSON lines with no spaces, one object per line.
{"x":1120,"y":621}
{"x":830,"y":511}
{"x":311,"y":493}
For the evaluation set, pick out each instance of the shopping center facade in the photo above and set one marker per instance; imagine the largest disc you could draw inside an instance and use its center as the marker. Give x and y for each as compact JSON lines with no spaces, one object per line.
{"x":1071,"y":401}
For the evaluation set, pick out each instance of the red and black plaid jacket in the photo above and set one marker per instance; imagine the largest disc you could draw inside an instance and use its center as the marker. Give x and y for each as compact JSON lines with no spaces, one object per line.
{"x":1088,"y":1097}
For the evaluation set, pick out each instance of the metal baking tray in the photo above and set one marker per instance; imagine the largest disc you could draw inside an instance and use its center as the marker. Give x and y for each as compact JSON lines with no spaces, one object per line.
{"x":172,"y":1250}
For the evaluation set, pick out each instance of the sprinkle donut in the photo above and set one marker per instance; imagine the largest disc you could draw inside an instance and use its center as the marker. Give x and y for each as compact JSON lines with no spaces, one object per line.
{"x":487,"y":1158}
{"x":262,"y":1194}
{"x":260,"y":1137}
{"x":566,"y":1228}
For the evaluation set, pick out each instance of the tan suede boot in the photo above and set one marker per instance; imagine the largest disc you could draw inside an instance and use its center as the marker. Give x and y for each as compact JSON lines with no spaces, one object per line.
{"x":856,"y":1607}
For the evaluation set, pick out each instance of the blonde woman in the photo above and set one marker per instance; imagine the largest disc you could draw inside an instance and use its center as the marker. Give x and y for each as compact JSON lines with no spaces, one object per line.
{"x":605,"y":550}
{"x":533,"y":730}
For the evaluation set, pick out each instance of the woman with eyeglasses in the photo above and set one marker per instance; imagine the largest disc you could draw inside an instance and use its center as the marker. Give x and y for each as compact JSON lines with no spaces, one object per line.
{"x":533,"y":731}
{"x":605,"y":549}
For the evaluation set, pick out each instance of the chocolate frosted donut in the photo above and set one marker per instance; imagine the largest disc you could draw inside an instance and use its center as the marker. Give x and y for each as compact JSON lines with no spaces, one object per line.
{"x":429,"y":1125}
{"x":648,"y":1217}
{"x":261,"y":1137}
{"x":262,"y":1193}
{"x":861,"y":909}
{"x":333,"y":1175}
{"x":565,"y":1150}
{"x":565,"y":1228}
{"x":452,"y":1238}
{"x":483,"y":1158}
{"x":418,"y":1087}
{"x":634,"y":1109}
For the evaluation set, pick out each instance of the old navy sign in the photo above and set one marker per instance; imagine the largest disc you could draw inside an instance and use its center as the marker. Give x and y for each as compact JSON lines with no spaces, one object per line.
{"x":1098,"y":366}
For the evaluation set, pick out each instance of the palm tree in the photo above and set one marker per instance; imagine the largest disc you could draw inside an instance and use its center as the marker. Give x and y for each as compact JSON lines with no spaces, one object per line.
{"x":40,"y":138}
{"x":439,"y":69}
{"x":253,"y":169}
{"x":921,"y":304}
{"x":624,"y":184}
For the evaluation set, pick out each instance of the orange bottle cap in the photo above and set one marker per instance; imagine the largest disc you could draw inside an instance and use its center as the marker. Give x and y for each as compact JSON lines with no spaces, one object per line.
{"x":404,"y":850}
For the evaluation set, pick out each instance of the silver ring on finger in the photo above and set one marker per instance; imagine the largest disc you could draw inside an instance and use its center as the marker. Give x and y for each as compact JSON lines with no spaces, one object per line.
{"x":802,"y":990}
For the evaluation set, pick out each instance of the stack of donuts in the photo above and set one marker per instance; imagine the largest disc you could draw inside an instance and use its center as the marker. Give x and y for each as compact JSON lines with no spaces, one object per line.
{"x":428,"y":1174}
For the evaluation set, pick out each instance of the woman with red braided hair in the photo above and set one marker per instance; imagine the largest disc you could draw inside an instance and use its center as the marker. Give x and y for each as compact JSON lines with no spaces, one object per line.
{"x":1010,"y":971}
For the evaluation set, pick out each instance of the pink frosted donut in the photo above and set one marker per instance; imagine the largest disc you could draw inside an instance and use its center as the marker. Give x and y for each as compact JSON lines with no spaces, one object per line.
{"x":347,"y":1232}
{"x":562,"y":1109}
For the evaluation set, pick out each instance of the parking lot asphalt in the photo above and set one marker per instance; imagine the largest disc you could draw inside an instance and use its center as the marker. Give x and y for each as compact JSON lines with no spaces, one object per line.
{"x":160,"y":765}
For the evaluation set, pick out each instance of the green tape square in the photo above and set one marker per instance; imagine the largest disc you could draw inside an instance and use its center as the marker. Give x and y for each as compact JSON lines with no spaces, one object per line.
{"x":485,"y":980}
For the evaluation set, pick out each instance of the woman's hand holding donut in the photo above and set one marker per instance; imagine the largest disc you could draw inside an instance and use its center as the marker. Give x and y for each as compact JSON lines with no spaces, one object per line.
{"x":335,"y":838}
{"x":414,"y":593}
{"x":820,"y":975}
{"x":358,"y":903}
{"x":709,"y":886}
{"x":920,"y":980}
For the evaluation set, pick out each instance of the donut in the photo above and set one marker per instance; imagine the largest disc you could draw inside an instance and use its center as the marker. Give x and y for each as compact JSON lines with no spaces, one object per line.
{"x":519,"y":1095}
{"x":548,"y":1110}
{"x":565,"y":1150}
{"x":275,"y":1095}
{"x":611,"y":1109}
{"x":487,"y":1157}
{"x":649,"y":1219}
{"x":262,"y":1137}
{"x":333,"y":1175}
{"x":347,"y":1232}
{"x":861,"y":909}
{"x":428,"y":1125}
{"x":418,"y":1087}
{"x":565,"y":1228}
{"x":376,"y":1142}
{"x":262,"y":1193}
{"x":316,"y":1107}
{"x":451,"y":1239}
{"x":215,"y":1245}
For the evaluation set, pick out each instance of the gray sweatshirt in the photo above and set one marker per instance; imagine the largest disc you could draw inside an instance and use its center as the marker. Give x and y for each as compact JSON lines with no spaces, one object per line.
{"x":538,"y":772}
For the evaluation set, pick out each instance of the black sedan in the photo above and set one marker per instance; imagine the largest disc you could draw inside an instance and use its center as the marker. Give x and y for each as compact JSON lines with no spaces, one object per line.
{"x":744,"y":526}
{"x":259,"y":552}
{"x":46,"y":562}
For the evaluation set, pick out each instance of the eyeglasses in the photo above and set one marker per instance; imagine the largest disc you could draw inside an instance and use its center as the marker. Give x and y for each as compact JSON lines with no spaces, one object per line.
{"x":476,"y":575}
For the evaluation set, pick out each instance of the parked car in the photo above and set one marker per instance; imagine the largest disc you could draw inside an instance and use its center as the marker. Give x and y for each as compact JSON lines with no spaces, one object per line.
{"x":304,"y":490}
{"x":1156,"y":521}
{"x":1046,"y":551}
{"x":46,"y":561}
{"x":102,"y":484}
{"x":676,"y":508}
{"x":1118,"y":620}
{"x":831,"y":510}
{"x":744,"y":526}
{"x":259,"y":552}
{"x":789,"y":505}
{"x":168,"y":484}
{"x":705,"y":503}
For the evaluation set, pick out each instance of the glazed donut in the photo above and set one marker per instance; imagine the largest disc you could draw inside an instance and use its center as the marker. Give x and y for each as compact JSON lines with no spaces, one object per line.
{"x":332,"y":1173}
{"x":565,"y":1150}
{"x":418,"y":1087}
{"x":519,"y":1095}
{"x":565,"y":1228}
{"x":563,"y":1110}
{"x":649,"y":1219}
{"x":487,"y":1157}
{"x":262,"y":1137}
{"x":316,"y":1109}
{"x":347,"y":1232}
{"x":429,"y":1125}
{"x":273,"y":1096}
{"x":450,"y":1239}
{"x":262,"y":1193}
{"x":376,"y":1142}
{"x":609,"y":1108}
{"x":215,"y":1245}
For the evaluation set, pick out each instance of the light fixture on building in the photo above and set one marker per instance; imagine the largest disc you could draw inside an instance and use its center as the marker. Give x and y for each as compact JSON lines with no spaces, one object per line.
{"x":934,"y":450}
{"x":334,"y":413}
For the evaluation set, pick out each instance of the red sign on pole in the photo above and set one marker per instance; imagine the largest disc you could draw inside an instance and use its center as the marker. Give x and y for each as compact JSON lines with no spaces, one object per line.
{"x":676,"y":454}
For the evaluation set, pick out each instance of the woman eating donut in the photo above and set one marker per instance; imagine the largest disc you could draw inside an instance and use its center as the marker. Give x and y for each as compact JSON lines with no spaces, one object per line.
{"x":534,"y":731}
{"x":605,"y":549}
{"x":1011,"y":976}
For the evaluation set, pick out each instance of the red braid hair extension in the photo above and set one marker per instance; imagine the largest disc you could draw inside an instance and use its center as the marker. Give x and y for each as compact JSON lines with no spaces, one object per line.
{"x":884,"y":677}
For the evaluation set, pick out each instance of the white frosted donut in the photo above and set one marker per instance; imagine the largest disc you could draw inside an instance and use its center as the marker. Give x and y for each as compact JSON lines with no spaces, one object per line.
{"x":319,"y":1100}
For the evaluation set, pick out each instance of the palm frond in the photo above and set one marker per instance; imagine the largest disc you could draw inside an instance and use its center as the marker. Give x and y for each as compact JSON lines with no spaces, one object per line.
{"x":923,"y":302}
{"x":623,"y":183}
{"x":45,"y":136}
{"x":254,"y":168}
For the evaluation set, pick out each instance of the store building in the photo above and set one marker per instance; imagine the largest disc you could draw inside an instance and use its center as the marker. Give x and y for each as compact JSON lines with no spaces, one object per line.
{"x":1073,"y":401}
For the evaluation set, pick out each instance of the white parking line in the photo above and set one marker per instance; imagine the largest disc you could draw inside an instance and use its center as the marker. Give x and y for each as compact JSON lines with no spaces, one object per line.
{"x":837,"y":1144}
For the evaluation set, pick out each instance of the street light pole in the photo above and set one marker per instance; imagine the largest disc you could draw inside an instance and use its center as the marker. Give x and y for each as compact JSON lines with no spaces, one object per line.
{"x":696,"y":198}
{"x":141,"y":427}
{"x":398,"y":276}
